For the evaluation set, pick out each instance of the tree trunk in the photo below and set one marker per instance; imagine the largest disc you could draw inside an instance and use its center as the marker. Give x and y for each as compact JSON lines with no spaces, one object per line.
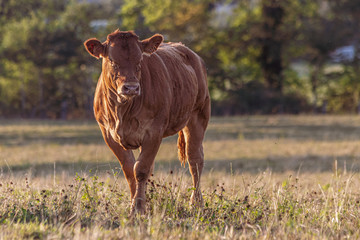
{"x":272,"y":44}
{"x":41,"y":94}
{"x":314,"y":87}
{"x":64,"y":109}
{"x":23,"y":96}
{"x":356,"y":66}
{"x":39,"y":110}
{"x":315,"y":75}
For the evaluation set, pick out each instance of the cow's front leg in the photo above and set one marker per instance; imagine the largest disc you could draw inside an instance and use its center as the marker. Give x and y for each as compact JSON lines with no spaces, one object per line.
{"x":125,"y":157}
{"x":142,"y":170}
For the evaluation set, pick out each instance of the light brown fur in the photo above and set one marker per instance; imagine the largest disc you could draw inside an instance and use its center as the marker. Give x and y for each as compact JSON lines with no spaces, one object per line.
{"x":173,"y":98}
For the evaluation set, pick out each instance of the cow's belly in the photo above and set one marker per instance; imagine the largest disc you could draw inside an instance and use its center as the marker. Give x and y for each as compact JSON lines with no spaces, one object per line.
{"x":173,"y":131}
{"x":176,"y":124}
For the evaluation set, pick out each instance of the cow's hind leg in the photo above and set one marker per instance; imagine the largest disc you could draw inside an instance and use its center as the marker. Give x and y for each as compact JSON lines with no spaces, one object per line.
{"x":194,"y":135}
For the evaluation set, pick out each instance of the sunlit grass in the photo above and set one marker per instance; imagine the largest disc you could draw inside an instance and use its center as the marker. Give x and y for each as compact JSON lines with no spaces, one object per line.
{"x":267,"y":205}
{"x":264,"y":177}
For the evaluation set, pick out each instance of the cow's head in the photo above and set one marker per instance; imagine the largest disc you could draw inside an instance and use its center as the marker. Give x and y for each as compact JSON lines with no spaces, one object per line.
{"x":122,"y":55}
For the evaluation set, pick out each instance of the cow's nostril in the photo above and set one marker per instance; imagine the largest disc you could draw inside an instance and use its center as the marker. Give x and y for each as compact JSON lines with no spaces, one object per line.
{"x":126,"y":88}
{"x":131,"y":89}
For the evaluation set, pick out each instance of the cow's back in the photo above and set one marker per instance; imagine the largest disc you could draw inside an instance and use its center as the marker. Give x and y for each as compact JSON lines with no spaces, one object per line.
{"x":182,"y":88}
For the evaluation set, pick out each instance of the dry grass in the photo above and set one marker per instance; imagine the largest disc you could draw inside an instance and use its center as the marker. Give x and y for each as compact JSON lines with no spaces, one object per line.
{"x":265,"y":177}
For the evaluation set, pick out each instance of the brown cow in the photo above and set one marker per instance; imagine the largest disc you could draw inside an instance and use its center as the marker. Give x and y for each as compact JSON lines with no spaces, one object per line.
{"x":149,"y":90}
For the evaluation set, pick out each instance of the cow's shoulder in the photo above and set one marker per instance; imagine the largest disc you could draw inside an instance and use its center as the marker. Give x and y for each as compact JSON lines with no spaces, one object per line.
{"x":172,"y":48}
{"x":176,"y":52}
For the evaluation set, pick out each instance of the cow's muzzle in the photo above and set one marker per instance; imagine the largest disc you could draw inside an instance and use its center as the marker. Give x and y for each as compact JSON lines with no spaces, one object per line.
{"x":129,"y":89}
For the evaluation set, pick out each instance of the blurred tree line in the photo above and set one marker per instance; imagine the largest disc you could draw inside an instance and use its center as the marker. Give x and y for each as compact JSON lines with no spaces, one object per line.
{"x":262,"y":56}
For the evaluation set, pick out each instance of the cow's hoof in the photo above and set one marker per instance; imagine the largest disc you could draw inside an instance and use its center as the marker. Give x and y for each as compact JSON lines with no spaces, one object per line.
{"x":196,"y":199}
{"x":138,"y":207}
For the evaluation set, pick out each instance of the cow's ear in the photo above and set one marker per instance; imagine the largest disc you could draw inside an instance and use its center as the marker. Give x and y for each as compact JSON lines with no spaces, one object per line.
{"x":150,"y":45}
{"x":95,"y":47}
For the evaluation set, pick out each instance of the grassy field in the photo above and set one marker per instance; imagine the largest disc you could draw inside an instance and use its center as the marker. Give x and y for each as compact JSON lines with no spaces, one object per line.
{"x":294,"y":177}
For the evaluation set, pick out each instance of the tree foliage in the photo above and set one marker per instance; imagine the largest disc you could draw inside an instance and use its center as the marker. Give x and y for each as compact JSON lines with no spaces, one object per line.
{"x":262,"y":56}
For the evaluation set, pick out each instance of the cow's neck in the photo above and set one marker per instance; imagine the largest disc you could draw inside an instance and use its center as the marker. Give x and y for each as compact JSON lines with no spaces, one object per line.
{"x":124,"y":110}
{"x":126,"y":124}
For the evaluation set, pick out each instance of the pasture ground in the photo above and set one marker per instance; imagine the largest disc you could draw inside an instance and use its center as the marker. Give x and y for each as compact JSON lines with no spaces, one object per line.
{"x":287,"y":177}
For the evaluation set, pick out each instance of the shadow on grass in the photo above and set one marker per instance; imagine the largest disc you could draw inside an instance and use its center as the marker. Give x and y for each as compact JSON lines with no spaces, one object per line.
{"x":302,"y":164}
{"x":293,"y":132}
{"x":17,"y":132}
{"x":21,"y":133}
{"x":65,"y":138}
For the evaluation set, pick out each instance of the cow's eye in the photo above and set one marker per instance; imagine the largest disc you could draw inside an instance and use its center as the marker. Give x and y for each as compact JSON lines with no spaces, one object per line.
{"x":114,"y":65}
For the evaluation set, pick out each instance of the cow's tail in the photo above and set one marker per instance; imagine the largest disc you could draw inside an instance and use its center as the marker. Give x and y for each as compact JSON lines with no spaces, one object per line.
{"x":181,"y":148}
